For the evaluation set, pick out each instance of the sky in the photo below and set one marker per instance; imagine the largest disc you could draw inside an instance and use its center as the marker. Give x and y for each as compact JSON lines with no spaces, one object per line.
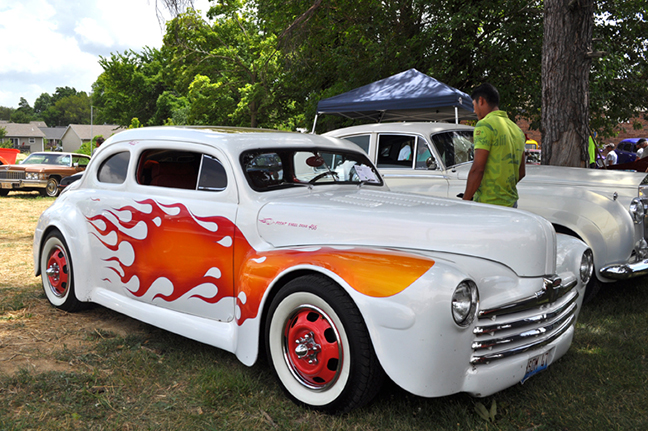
{"x":46,"y":44}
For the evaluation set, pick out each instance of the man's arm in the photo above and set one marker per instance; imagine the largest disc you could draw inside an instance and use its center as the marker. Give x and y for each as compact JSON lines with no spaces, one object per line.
{"x":522,"y":168}
{"x":476,"y":173}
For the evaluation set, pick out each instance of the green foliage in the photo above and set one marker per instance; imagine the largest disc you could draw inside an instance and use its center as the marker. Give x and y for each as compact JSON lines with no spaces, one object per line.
{"x":130,"y":87}
{"x":86,"y":147}
{"x":229,"y":70}
{"x":135,"y":123}
{"x":24,"y":113}
{"x":335,"y":46}
{"x":618,"y":90}
{"x":5,"y":113}
{"x":66,"y":106}
{"x":269,"y":62}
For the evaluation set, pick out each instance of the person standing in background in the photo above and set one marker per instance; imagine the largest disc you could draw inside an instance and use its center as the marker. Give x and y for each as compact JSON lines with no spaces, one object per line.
{"x":499,"y":163}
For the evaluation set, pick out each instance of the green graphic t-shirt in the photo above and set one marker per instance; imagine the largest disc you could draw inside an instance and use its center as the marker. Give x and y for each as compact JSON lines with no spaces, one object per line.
{"x":504,"y":142}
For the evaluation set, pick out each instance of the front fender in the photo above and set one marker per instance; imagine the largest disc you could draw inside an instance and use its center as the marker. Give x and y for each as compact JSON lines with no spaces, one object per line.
{"x":72,"y":225}
{"x":603,"y":223}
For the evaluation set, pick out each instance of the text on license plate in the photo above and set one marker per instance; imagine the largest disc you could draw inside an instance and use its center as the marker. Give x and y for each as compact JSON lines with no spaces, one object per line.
{"x":536,"y":364}
{"x":7,"y":185}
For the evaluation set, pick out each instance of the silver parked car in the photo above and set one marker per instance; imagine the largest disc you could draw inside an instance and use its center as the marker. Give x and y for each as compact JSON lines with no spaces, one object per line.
{"x":606,"y":209}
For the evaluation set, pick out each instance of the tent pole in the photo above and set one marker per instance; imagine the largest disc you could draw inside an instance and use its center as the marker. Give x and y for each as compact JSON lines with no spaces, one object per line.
{"x":456,"y":115}
{"x":314,"y":123}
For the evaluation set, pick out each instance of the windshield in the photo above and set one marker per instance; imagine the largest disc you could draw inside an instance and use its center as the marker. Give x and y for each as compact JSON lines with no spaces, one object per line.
{"x":277,"y":168}
{"x":47,"y":159}
{"x":454,"y":147}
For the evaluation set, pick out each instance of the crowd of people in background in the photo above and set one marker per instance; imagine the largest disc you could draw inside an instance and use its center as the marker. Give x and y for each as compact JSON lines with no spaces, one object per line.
{"x":607,"y":156}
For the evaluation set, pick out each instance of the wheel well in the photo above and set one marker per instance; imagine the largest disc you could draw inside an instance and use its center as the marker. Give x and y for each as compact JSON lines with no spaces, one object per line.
{"x":566,"y":231}
{"x":279,"y":284}
{"x":57,"y":177}
{"x":46,"y":233}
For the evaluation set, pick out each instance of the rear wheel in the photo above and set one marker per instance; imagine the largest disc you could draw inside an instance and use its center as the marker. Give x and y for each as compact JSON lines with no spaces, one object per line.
{"x":57,"y":274}
{"x":319,"y":348}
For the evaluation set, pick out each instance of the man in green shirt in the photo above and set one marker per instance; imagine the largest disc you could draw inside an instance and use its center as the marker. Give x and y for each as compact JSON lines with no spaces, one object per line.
{"x":498,"y":164}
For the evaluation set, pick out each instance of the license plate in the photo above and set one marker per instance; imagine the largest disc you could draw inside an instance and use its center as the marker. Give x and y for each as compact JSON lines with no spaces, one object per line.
{"x":7,"y":185}
{"x":536,"y":364}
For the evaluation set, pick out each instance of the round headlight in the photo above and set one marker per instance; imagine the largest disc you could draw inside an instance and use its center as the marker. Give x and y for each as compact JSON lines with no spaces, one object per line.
{"x":464,"y":303}
{"x":637,"y":210}
{"x":586,"y":266}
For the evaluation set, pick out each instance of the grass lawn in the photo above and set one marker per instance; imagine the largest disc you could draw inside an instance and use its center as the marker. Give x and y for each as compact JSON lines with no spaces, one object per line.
{"x":99,"y":370}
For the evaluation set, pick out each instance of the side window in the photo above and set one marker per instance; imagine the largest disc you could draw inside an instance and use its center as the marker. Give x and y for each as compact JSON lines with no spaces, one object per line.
{"x":264,"y":170}
{"x":169,"y":168}
{"x":81,"y":161}
{"x":424,"y":159}
{"x":212,"y":174}
{"x":361,"y":141}
{"x":454,"y":147}
{"x":113,"y":169}
{"x":395,"y":151}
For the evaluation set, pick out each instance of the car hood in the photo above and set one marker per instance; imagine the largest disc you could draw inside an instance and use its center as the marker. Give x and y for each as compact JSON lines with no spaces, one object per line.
{"x":590,"y":178}
{"x":524,"y":242}
{"x":34,"y":168}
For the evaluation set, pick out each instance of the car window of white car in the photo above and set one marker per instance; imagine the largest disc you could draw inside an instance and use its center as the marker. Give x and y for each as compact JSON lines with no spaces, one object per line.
{"x":361,"y":141}
{"x":395,"y":151}
{"x":455,"y":147}
{"x":180,"y":169}
{"x":269,"y":170}
{"x":113,"y":170}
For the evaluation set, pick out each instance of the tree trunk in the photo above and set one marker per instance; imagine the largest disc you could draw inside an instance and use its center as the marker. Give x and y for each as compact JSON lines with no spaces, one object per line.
{"x":567,"y":42}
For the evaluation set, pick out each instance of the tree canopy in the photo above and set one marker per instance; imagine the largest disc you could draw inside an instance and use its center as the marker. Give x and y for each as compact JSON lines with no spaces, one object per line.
{"x":266,"y":63}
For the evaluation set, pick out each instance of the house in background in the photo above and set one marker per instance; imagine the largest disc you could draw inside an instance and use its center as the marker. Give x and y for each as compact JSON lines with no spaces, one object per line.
{"x":77,"y":134}
{"x":25,"y":137}
{"x":53,"y":136}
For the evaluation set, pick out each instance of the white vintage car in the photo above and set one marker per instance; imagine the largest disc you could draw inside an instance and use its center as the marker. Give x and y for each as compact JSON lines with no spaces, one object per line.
{"x":606,"y":209}
{"x":247,"y":240}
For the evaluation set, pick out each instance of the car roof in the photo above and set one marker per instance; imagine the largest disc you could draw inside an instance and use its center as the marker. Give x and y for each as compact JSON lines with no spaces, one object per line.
{"x":231,"y":139}
{"x":59,"y":153}
{"x":633,"y":140}
{"x":423,"y":128}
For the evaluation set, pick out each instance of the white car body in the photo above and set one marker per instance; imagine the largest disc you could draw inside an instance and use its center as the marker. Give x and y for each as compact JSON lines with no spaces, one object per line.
{"x":207,"y":263}
{"x":604,"y":208}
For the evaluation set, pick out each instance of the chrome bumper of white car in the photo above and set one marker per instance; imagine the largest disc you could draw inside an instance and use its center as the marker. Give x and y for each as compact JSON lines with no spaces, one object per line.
{"x":623,"y":271}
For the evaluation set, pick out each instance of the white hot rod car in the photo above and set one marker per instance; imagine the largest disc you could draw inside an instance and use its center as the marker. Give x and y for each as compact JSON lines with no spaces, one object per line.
{"x":249,"y":240}
{"x":606,"y":209}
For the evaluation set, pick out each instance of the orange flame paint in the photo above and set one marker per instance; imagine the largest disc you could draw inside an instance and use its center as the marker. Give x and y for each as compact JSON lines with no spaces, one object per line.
{"x":180,"y":247}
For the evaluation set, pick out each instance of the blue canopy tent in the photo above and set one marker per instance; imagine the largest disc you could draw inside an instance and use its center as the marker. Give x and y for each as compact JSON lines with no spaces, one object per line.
{"x":407,"y":96}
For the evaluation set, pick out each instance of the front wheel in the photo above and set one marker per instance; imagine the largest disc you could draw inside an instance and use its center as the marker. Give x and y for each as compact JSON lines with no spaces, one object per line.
{"x":319,"y":348}
{"x":52,"y":189}
{"x":57,"y":274}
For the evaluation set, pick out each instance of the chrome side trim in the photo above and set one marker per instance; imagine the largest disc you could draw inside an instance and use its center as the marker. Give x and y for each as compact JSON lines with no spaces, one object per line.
{"x":439,"y":176}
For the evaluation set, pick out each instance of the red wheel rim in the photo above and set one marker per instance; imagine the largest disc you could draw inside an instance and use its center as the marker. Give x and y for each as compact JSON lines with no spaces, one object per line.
{"x":312,"y":348}
{"x":57,"y":271}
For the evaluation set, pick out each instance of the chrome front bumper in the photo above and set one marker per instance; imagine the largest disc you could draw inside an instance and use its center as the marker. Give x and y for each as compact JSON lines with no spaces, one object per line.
{"x":624,"y":271}
{"x":22,"y":184}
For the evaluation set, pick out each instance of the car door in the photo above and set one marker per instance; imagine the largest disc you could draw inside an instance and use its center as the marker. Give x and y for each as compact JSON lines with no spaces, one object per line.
{"x":455,"y":150}
{"x":170,"y":227}
{"x":407,"y":163}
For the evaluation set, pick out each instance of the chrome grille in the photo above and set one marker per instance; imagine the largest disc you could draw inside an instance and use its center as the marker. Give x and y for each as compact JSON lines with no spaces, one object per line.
{"x":12,"y":175}
{"x":525,"y":325}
